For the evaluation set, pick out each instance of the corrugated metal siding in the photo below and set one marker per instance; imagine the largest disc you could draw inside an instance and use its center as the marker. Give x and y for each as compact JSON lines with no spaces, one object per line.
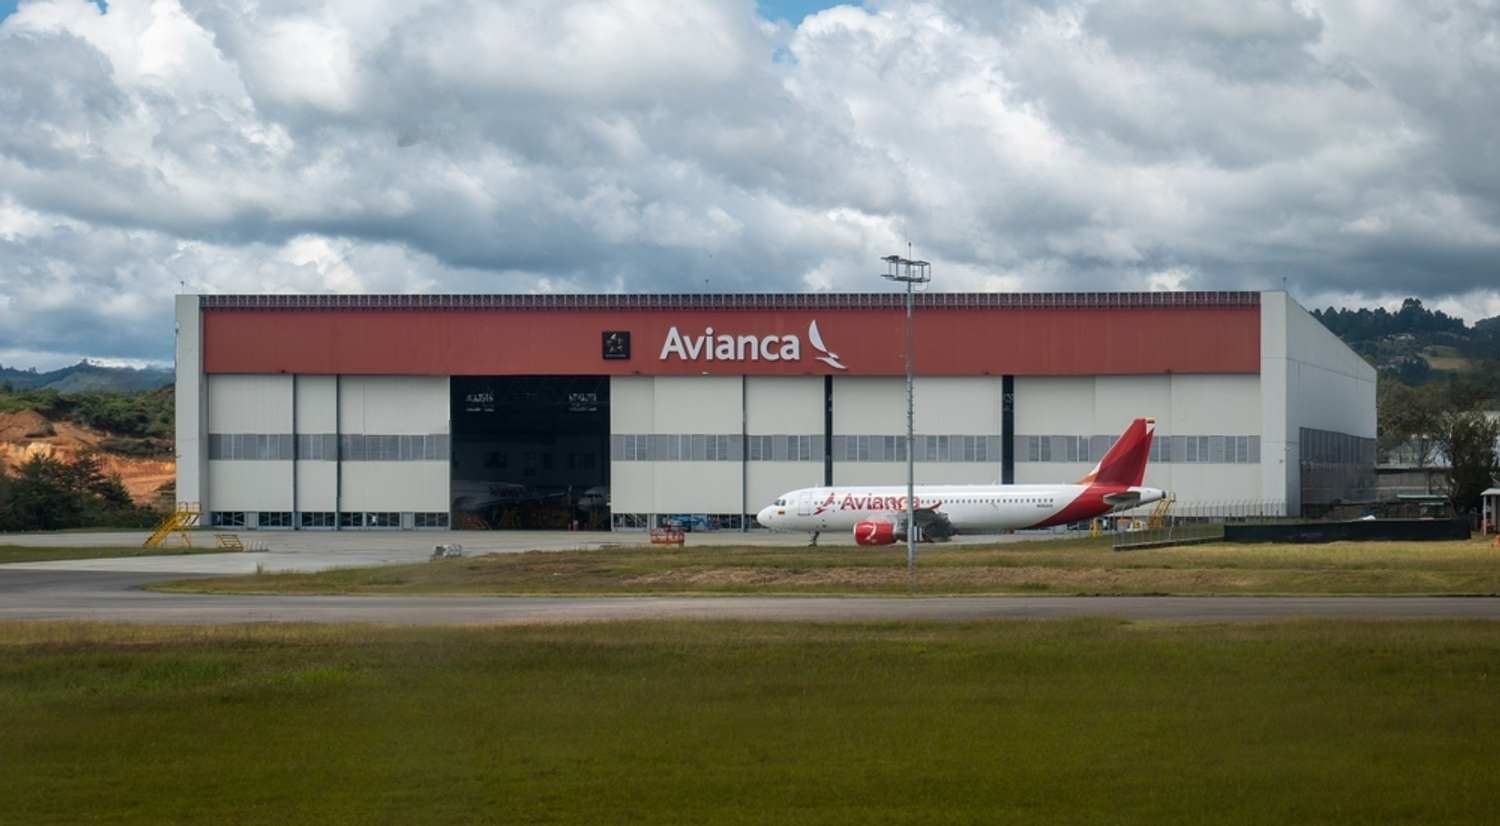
{"x":1044,"y":337}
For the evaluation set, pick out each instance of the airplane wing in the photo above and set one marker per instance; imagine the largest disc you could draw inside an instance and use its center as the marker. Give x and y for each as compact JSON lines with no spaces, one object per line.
{"x":925,"y":516}
{"x":933,"y":523}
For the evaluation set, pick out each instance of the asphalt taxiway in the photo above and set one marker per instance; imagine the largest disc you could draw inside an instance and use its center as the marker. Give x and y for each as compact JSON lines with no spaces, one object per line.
{"x":111,"y":590}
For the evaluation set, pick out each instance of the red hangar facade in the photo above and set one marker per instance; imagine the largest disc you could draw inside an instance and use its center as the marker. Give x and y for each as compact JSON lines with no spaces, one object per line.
{"x":621,"y":411}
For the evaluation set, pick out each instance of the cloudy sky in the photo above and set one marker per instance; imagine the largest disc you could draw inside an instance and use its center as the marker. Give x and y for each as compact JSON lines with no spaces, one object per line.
{"x":1348,"y":150}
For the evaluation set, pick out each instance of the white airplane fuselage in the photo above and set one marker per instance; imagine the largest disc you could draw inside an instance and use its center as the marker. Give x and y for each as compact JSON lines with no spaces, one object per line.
{"x":968,"y":509}
{"x":877,"y":515}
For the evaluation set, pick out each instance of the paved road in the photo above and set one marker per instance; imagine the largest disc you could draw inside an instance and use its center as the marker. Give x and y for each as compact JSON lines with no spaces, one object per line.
{"x":116,"y":597}
{"x":110,"y":590}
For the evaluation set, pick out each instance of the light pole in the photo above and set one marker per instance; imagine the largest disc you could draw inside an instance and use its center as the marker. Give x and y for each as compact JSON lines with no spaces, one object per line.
{"x":911,"y":272}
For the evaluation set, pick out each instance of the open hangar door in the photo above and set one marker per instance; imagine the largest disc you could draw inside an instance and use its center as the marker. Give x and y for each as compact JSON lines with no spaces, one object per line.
{"x":530,"y":452}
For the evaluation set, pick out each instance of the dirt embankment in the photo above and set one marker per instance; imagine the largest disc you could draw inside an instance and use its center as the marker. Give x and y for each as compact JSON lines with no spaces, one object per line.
{"x":28,"y":433}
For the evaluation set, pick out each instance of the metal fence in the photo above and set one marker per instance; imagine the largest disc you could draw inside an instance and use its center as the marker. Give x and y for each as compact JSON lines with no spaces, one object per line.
{"x":1189,"y":522}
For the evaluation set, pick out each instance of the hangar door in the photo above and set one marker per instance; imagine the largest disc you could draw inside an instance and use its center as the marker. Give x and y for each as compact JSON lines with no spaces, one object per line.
{"x":530,"y":452}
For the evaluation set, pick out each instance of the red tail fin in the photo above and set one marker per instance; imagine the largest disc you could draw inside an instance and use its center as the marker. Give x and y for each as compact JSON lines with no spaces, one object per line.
{"x":1125,"y":463}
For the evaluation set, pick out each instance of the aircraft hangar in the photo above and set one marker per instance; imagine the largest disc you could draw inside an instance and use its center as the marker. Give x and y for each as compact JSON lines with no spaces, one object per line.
{"x":328,"y":412}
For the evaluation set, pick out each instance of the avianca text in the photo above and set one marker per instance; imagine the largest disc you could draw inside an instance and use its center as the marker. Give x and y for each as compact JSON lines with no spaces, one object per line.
{"x":710,"y":347}
{"x":869,"y":502}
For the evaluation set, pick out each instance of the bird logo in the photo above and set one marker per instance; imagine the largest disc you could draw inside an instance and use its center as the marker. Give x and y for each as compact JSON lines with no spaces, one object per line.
{"x":829,"y":357}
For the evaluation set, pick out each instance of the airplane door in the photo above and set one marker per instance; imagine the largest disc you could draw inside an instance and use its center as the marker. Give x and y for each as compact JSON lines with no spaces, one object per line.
{"x":804,"y":504}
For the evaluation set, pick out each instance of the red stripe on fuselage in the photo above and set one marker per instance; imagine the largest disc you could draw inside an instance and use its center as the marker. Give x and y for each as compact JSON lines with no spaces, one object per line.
{"x":1088,"y":505}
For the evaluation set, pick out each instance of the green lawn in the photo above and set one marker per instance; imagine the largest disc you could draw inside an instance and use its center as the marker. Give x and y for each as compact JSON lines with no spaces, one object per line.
{"x":1084,"y":721}
{"x":1042,"y":567}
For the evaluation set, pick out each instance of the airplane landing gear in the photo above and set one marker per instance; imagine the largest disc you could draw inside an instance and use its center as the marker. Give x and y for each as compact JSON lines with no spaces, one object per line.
{"x":813,"y":543}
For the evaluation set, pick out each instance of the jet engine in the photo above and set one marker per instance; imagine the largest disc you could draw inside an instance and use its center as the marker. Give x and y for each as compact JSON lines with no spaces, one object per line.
{"x":878,"y":533}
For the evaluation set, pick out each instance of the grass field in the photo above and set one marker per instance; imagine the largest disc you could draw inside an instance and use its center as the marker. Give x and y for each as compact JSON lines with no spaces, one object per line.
{"x":1018,"y":723}
{"x":1082,"y":566}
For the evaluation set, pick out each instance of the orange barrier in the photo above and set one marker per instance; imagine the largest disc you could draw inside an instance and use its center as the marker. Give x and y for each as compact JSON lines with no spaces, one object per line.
{"x":668,"y":536}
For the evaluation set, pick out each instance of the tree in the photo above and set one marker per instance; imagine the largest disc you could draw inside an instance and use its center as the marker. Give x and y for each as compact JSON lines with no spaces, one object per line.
{"x":7,"y":499}
{"x":1468,"y":439}
{"x":42,"y":498}
{"x":1408,"y":417}
{"x":47,"y":495}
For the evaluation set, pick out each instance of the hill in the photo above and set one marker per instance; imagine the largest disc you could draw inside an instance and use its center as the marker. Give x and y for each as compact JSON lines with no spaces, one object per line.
{"x":1415,"y":345}
{"x":87,"y":376}
{"x":130,"y":433}
{"x":27,"y":433}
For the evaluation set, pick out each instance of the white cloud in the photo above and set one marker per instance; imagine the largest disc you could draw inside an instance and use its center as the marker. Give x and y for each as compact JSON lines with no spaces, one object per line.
{"x":635,"y":145}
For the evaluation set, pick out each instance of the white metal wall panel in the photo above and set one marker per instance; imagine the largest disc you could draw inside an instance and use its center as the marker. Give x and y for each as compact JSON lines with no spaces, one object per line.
{"x":632,"y":404}
{"x":1309,"y":379}
{"x":1198,"y":485}
{"x":1334,"y":387}
{"x":1186,"y":404}
{"x":952,"y":404}
{"x":698,"y":487}
{"x":955,"y":473}
{"x":1213,"y":405}
{"x":632,"y":486}
{"x":867,"y":405}
{"x":317,"y":483}
{"x":864,"y":406}
{"x":680,"y":405}
{"x":1120,"y":399}
{"x":395,"y":486}
{"x":1197,"y":405}
{"x":249,"y":486}
{"x":867,"y":473}
{"x":785,"y":404}
{"x":249,"y":404}
{"x":393,"y":404}
{"x":698,"y":404}
{"x":1053,"y":473}
{"x":1279,"y":454}
{"x":1055,"y":404}
{"x":191,"y":397}
{"x":317,"y":406}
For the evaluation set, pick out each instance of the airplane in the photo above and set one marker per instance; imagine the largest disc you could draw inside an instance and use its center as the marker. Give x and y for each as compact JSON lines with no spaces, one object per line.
{"x":877,"y":515}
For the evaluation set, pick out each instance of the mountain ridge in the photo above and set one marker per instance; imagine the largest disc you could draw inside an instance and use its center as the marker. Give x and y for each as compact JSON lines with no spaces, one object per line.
{"x":86,"y":376}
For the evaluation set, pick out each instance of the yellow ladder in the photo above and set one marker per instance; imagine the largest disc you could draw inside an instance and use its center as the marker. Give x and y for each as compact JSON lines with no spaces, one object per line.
{"x":1158,"y":517}
{"x":178,"y":521}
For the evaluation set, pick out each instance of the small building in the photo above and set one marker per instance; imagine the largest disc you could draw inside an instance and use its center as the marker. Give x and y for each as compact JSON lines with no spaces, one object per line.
{"x":1489,"y":510}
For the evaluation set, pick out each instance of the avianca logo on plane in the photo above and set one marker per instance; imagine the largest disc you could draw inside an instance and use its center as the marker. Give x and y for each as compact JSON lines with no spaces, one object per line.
{"x":869,"y":502}
{"x":727,"y":347}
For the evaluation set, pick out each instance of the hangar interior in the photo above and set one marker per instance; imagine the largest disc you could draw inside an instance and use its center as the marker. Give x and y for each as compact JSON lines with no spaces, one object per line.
{"x":530,"y":451}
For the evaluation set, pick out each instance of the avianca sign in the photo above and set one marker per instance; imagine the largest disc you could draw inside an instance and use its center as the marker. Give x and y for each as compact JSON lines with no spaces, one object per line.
{"x":871,"y":502}
{"x":711,"y":346}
